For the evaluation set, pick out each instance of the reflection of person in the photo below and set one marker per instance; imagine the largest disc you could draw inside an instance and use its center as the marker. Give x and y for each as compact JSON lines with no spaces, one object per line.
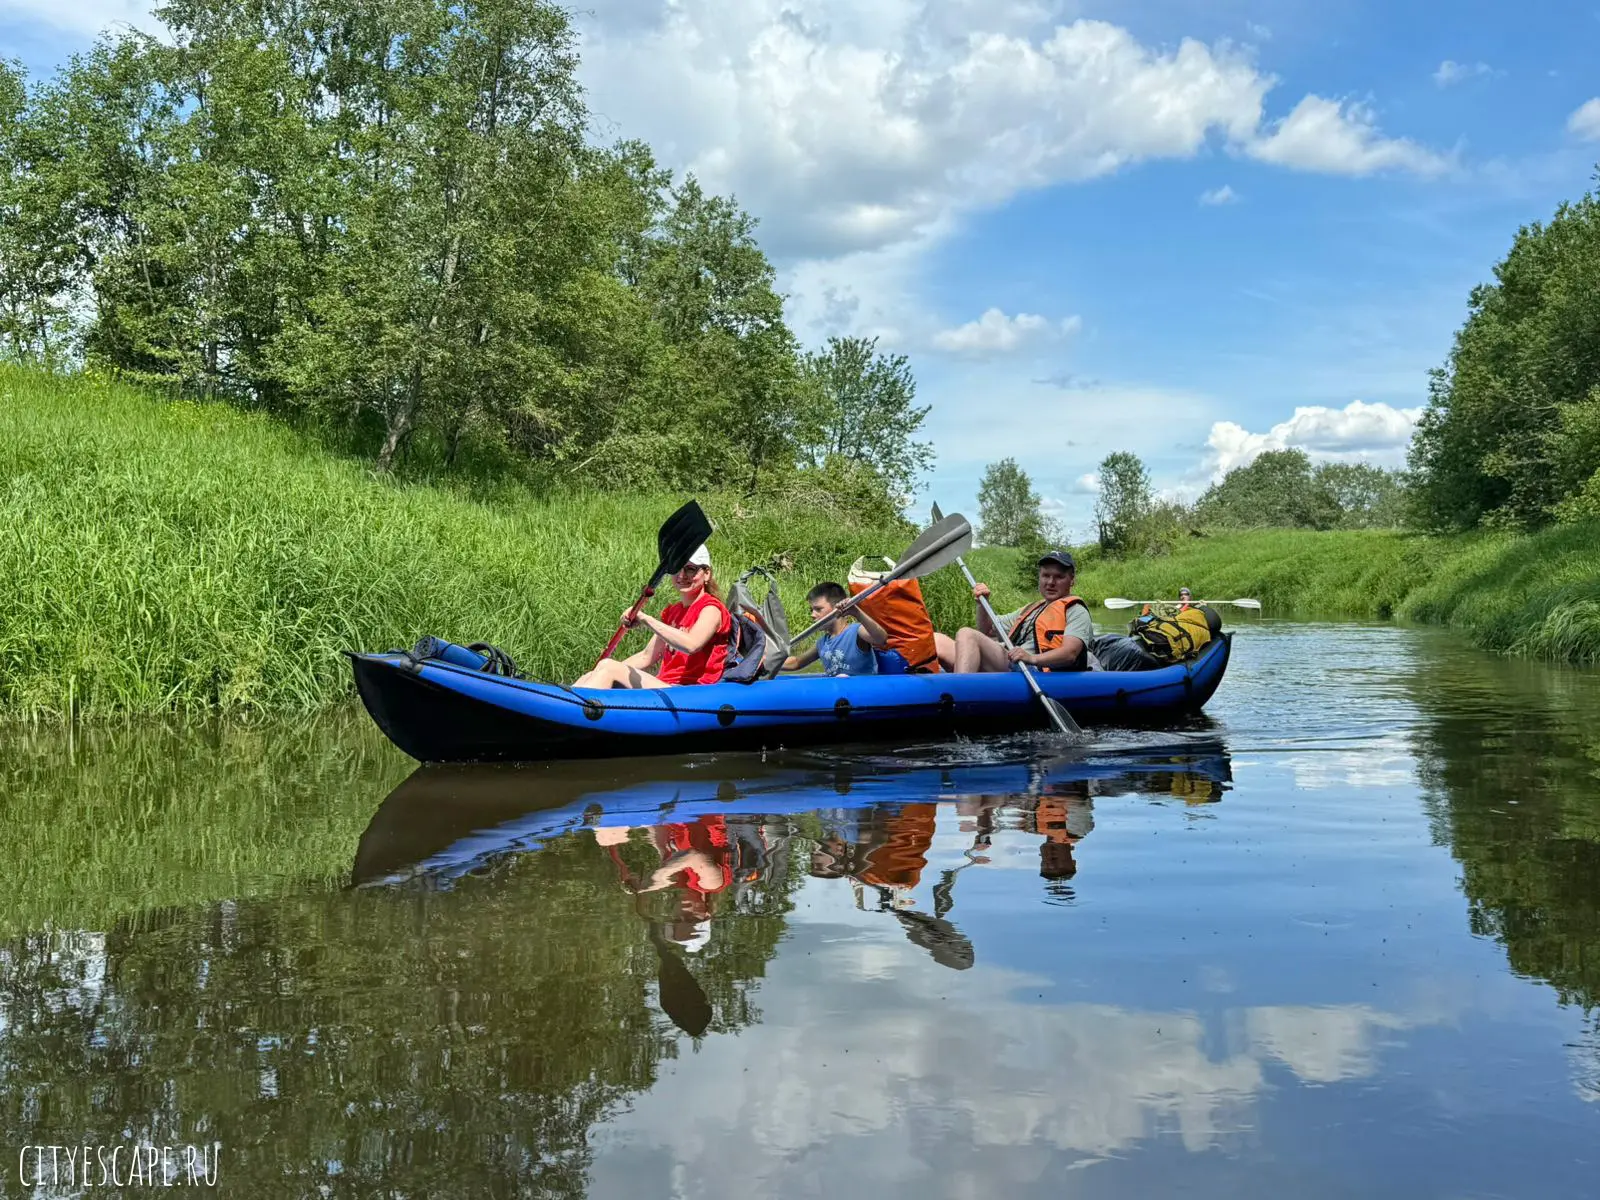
{"x":888,"y":851}
{"x":1063,"y":816}
{"x":695,"y":860}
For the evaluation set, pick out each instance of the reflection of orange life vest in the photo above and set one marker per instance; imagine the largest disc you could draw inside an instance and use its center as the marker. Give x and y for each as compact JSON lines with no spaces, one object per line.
{"x":898,"y":862}
{"x":899,"y":608}
{"x":1047,"y":621}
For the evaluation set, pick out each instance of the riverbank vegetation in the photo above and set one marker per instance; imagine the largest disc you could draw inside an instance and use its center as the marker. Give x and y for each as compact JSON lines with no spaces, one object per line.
{"x":161,"y":556}
{"x":388,"y":224}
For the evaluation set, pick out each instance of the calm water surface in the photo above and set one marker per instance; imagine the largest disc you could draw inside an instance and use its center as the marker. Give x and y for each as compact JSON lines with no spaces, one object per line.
{"x":1339,"y":938}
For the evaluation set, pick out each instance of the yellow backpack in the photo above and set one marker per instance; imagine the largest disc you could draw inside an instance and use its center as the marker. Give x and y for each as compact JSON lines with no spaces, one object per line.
{"x":1175,"y":637}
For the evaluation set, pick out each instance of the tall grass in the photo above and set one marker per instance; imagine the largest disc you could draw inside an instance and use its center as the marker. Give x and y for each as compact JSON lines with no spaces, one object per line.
{"x":175,"y":557}
{"x":1536,"y":596}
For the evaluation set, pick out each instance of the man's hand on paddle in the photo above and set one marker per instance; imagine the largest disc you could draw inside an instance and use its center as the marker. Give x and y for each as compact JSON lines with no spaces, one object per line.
{"x":980,"y":590}
{"x":1018,"y":654}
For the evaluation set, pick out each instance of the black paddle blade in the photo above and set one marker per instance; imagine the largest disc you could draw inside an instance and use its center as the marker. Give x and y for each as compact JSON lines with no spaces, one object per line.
{"x":682,"y":998}
{"x":948,"y":945}
{"x":684,"y":532}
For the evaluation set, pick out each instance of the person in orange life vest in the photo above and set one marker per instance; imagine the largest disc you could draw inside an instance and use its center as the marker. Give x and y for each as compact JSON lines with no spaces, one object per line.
{"x":845,"y":649}
{"x":690,"y":642}
{"x":1052,"y":633}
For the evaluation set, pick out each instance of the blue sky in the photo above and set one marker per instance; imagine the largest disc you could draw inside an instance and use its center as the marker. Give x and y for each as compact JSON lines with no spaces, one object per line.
{"x":1191,"y":231}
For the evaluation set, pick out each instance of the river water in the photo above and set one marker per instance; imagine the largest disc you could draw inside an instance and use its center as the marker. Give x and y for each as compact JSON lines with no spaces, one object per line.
{"x":1339,"y":938}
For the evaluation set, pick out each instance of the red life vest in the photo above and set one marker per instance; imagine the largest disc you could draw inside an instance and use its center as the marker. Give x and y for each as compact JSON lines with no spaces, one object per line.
{"x":705,"y":665}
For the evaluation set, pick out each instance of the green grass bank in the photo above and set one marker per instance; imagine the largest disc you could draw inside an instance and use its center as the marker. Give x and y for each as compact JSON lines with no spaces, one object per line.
{"x":172,"y":557}
{"x":1532,"y":595}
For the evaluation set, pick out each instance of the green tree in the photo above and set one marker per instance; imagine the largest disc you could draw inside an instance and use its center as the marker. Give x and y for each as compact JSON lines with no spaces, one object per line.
{"x":1276,"y":489}
{"x":1124,"y":499}
{"x":864,"y":410}
{"x":1008,"y":507}
{"x":1366,"y":496}
{"x":1488,"y":447}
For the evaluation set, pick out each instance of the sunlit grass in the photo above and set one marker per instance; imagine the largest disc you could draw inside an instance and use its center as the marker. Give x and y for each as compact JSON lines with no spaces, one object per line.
{"x":164,"y":557}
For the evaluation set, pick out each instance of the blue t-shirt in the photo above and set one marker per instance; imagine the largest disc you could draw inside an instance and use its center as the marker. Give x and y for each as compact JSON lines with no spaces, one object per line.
{"x":843,"y":654}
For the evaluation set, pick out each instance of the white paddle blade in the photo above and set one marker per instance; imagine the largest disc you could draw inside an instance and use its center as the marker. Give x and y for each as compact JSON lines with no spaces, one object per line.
{"x":1119,"y":602}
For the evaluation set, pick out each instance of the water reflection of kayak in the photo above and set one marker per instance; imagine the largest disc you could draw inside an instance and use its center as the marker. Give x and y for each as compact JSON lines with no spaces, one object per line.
{"x":438,"y":711}
{"x":443,"y":822}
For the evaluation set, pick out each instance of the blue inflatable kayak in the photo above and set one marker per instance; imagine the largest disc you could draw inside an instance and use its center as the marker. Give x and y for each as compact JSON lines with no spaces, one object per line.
{"x":439,"y":711}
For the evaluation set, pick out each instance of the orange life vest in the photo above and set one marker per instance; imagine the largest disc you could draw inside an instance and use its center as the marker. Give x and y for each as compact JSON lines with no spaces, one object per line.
{"x":1048,"y":620}
{"x":900,"y":609}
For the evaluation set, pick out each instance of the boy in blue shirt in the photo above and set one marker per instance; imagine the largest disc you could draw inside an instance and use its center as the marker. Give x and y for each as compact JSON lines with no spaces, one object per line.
{"x":844,"y":648}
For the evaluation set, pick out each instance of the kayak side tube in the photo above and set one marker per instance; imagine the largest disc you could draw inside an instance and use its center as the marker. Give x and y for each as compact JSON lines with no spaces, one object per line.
{"x":439,"y":712}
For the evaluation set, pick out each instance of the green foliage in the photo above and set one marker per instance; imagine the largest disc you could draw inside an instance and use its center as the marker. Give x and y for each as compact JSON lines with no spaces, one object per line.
{"x":182,"y":556}
{"x":383,"y":221}
{"x":1276,"y":489}
{"x":1494,"y":446}
{"x":1008,"y":507}
{"x":1124,"y":499}
{"x":860,"y":410}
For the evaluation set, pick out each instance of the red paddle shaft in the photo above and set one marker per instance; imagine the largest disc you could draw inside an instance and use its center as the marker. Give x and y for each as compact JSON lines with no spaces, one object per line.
{"x":633,"y":615}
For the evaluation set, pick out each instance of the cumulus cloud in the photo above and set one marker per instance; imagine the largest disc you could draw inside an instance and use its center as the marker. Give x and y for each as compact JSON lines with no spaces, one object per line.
{"x":1585,"y":121}
{"x":1023,"y":1089}
{"x":850,"y":127}
{"x":81,"y":16}
{"x":1359,"y":431}
{"x":1338,"y":139}
{"x":1221,"y":195}
{"x":1088,"y":484}
{"x":1453,"y":72}
{"x":995,"y":333}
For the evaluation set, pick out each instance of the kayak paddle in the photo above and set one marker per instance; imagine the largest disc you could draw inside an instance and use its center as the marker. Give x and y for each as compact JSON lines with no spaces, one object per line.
{"x":684,"y":532}
{"x":1062,"y":718}
{"x":1119,"y":602}
{"x":940,"y":544}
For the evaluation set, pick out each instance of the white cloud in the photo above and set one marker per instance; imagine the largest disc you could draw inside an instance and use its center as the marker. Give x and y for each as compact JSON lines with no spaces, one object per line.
{"x":1222,"y":195}
{"x":1339,"y":139}
{"x":1453,"y":72}
{"x":1585,"y":121}
{"x":1089,"y":483}
{"x":849,"y":127}
{"x":81,"y":16}
{"x":1376,"y":433}
{"x":995,"y":333}
{"x":1026,"y":1088}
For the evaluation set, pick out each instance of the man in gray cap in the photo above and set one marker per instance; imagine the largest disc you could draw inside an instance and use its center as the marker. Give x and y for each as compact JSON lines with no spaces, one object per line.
{"x":1051,"y":634}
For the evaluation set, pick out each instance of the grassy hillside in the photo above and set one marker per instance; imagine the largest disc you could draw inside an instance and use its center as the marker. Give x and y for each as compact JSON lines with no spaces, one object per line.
{"x":178,"y":557}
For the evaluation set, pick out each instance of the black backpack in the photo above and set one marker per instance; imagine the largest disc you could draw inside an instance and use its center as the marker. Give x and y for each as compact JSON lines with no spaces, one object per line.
{"x":747,"y":646}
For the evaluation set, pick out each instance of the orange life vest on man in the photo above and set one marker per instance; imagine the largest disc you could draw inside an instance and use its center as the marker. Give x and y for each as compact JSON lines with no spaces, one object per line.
{"x":1047,"y":621}
{"x":900,"y":609}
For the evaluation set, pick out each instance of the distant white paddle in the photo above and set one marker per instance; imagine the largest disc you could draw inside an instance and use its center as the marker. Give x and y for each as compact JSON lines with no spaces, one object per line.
{"x":1119,"y":602}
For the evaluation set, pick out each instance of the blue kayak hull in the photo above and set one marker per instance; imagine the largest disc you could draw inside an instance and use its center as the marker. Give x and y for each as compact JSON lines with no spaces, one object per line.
{"x":438,"y":712}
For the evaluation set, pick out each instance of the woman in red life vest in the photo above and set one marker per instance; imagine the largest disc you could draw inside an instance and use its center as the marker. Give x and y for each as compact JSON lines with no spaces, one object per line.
{"x":690,"y":642}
